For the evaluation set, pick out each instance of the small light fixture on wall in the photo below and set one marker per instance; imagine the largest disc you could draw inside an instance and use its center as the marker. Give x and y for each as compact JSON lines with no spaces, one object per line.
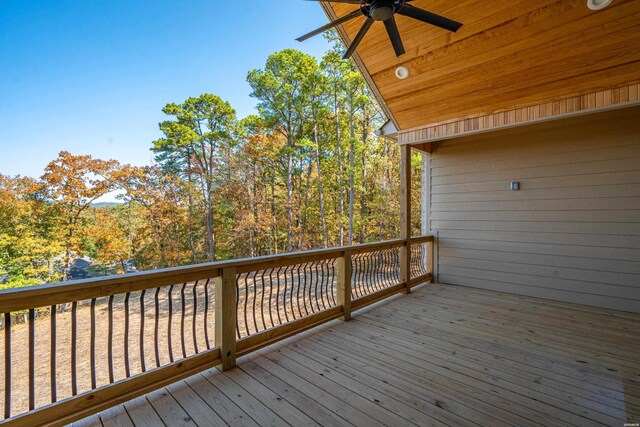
{"x":514,"y":185}
{"x":402,"y":73}
{"x":598,"y":4}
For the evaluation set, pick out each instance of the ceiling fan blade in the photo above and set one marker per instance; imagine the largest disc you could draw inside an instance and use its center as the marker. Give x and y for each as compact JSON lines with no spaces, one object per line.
{"x":341,"y":1}
{"x":394,"y":35}
{"x":358,"y":38}
{"x":429,"y":18}
{"x":330,"y":25}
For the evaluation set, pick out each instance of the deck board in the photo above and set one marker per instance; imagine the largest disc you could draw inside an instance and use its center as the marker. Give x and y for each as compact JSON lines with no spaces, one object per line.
{"x":443,"y":355}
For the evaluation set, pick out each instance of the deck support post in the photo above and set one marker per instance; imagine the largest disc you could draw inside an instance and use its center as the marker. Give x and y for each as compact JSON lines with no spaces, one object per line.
{"x":425,"y":214}
{"x":405,"y":215}
{"x":226,"y":317}
{"x":344,"y":284}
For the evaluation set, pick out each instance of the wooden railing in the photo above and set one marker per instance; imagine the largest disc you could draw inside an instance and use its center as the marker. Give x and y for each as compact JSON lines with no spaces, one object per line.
{"x":91,"y":344}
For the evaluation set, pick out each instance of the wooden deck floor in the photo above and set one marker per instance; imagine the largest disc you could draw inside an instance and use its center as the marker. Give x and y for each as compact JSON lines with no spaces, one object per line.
{"x":443,"y":355}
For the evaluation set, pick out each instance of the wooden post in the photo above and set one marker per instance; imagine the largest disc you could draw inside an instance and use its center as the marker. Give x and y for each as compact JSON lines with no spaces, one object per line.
{"x":344,"y":284}
{"x":429,"y":264}
{"x":425,"y":220}
{"x":405,"y":214}
{"x":226,"y":317}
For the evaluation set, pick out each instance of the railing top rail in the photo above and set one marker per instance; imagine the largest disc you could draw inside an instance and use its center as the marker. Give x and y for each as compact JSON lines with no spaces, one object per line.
{"x":421,"y":239}
{"x":64,"y":292}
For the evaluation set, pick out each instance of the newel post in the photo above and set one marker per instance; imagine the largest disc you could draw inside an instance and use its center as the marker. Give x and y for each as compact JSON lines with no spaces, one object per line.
{"x":344,"y":284}
{"x":405,"y":215}
{"x":226,"y":316}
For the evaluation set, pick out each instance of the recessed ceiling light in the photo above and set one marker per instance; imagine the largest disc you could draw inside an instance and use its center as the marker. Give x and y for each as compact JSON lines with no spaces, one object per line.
{"x":598,"y":4}
{"x":402,"y":73}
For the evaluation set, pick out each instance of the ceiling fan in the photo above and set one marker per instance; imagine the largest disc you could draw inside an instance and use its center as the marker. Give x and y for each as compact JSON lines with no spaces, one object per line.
{"x":383,"y":10}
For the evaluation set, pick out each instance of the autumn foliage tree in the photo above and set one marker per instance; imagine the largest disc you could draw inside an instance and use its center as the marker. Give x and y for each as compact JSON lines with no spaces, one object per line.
{"x":71,"y":183}
{"x":306,"y":171}
{"x":160,"y":202}
{"x":26,"y":225}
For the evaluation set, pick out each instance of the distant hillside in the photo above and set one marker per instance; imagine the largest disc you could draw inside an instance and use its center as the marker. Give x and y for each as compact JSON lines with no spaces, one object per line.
{"x":105,"y":204}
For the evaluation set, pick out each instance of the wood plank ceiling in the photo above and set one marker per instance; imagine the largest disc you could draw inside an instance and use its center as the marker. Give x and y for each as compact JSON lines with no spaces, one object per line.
{"x":508,"y":54}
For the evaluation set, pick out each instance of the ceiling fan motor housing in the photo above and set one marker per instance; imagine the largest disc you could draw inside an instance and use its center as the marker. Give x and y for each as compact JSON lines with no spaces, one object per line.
{"x":381,"y":10}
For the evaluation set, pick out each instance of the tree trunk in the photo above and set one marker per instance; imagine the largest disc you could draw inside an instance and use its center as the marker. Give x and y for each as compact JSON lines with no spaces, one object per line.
{"x":303,"y":211}
{"x":211,"y":236}
{"x":289,"y":197}
{"x":66,"y":274}
{"x":340,"y":183}
{"x":363,"y":195}
{"x":191,"y":213}
{"x":384,"y":188}
{"x":323,"y":220}
{"x":274,"y":224}
{"x":352,"y":190}
{"x":254,"y":234}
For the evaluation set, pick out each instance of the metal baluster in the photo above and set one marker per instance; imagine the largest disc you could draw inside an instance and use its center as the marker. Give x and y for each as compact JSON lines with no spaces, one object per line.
{"x":315,"y":280}
{"x":368,"y":274}
{"x":53,"y":352}
{"x":195,"y":312}
{"x":284,"y":294}
{"x":396,"y":262}
{"x":7,"y":365}
{"x":264,"y":323}
{"x":143,"y":366}
{"x":387,"y":262}
{"x":368,"y":271}
{"x":326,"y":279}
{"x":156,"y":298}
{"x":413,"y":263}
{"x":355,"y":275}
{"x":376,"y":268}
{"x":32,"y":364}
{"x":392,"y":267}
{"x":304,"y":289}
{"x":206,"y":313}
{"x":110,"y":340}
{"x":271,"y":298}
{"x":278,"y":306}
{"x":381,"y":268}
{"x":298,"y":292}
{"x":412,"y":269}
{"x":333,"y":282}
{"x":322,"y":287}
{"x":92,"y":349}
{"x":169,"y":331}
{"x":362,"y":273}
{"x":375,"y":260}
{"x":313,"y":287}
{"x":246,"y":297}
{"x":74,"y":350}
{"x":183,"y":309}
{"x":218,"y":304}
{"x":126,"y":335}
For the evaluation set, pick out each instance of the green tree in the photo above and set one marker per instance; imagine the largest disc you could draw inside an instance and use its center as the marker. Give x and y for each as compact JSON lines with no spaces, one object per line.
{"x":198,"y":142}
{"x":280,"y":90}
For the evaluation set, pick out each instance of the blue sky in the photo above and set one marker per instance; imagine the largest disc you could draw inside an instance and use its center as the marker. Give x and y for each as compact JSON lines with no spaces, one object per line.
{"x":91,"y":77}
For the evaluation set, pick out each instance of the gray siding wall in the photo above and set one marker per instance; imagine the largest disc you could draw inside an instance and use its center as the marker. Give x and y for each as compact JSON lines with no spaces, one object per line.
{"x":572,"y":232}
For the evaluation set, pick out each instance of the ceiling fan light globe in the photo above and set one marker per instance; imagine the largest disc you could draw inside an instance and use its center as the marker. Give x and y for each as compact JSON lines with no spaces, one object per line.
{"x":402,"y":72}
{"x":598,"y":4}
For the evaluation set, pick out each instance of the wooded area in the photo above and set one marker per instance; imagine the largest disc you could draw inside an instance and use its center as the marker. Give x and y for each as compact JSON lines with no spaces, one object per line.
{"x":306,"y":172}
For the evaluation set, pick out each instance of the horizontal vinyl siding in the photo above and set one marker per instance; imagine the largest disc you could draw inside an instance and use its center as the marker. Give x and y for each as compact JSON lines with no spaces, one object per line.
{"x":571,"y":233}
